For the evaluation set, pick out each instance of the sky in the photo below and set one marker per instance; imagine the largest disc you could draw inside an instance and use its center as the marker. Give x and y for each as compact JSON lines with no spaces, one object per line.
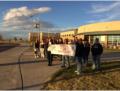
{"x":17,"y":18}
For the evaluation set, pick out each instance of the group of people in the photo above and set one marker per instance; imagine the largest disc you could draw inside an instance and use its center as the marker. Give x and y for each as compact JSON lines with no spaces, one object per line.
{"x":83,"y":51}
{"x":83,"y":48}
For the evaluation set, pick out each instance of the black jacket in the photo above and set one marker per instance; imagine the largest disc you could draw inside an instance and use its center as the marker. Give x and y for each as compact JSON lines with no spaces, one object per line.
{"x":37,"y":45}
{"x":86,"y":49}
{"x":97,"y":49}
{"x":79,"y":49}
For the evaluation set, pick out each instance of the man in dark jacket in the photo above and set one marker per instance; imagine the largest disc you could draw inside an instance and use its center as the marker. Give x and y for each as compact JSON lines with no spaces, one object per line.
{"x":79,"y":56}
{"x":96,"y":50}
{"x":36,"y":48}
{"x":49,"y":55}
{"x":86,"y":51}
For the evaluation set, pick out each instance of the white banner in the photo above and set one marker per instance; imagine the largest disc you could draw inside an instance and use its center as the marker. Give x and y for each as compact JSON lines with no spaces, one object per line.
{"x":62,"y":49}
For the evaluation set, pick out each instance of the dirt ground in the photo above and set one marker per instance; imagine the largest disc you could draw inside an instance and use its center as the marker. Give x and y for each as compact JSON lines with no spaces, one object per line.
{"x":108,"y":79}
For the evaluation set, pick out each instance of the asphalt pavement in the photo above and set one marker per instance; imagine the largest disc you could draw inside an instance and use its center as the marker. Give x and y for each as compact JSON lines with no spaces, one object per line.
{"x":34,"y":72}
{"x":4,"y":47}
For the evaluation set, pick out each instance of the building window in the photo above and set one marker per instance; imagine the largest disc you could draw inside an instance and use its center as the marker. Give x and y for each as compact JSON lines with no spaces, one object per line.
{"x":99,"y":37}
{"x":114,"y":39}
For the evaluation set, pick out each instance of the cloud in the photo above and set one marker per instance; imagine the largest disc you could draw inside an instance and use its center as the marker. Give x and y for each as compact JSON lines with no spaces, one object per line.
{"x":26,"y":24}
{"x":22,"y":18}
{"x":91,"y":21}
{"x":100,"y":8}
{"x":112,"y":17}
{"x":115,"y":16}
{"x":24,"y":12}
{"x":105,"y":12}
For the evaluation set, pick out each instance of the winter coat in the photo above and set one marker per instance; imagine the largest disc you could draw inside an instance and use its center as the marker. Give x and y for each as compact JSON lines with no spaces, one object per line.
{"x":86,"y":49}
{"x":79,"y":49}
{"x":97,"y":49}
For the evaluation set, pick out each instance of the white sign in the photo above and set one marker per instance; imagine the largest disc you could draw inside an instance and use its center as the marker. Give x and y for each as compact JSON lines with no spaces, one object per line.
{"x":62,"y":49}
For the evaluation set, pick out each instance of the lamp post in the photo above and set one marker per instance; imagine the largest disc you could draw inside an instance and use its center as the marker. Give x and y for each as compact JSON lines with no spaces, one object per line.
{"x":37,"y":26}
{"x":48,"y":33}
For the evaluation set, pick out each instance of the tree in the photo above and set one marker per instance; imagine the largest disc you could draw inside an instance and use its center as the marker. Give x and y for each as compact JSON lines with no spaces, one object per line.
{"x":1,"y":37}
{"x":15,"y":38}
{"x":9,"y":40}
{"x":20,"y":39}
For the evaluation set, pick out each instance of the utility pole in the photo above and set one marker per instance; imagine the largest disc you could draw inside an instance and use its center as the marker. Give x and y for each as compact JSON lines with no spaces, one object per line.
{"x":37,"y":26}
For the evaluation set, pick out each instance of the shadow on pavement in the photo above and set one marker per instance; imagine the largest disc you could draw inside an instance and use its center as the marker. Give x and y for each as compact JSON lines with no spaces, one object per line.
{"x":4,"y":48}
{"x":25,"y":62}
{"x":30,"y":86}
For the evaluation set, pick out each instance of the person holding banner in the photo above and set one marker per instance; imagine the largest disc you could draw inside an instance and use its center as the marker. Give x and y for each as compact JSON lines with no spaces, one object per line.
{"x":65,"y":58}
{"x":60,"y":41}
{"x":42,"y":49}
{"x":49,"y":55}
{"x":45,"y":47}
{"x":79,"y":56}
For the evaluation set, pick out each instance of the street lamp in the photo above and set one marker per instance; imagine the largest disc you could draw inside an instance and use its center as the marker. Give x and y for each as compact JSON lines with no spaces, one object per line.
{"x":37,"y":26}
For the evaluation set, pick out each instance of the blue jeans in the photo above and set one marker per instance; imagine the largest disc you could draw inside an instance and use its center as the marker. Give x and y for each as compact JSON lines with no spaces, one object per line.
{"x":85,"y":59}
{"x":49,"y":57}
{"x":96,"y":62}
{"x":65,"y":61}
{"x":72,"y":58}
{"x":79,"y":64}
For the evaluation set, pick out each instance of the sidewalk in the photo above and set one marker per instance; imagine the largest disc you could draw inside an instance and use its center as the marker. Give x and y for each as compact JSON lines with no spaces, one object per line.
{"x":9,"y":72}
{"x":36,"y":72}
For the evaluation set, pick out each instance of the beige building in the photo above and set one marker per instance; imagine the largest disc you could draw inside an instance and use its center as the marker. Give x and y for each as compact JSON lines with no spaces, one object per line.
{"x":69,"y":34}
{"x":33,"y":36}
{"x":107,"y":32}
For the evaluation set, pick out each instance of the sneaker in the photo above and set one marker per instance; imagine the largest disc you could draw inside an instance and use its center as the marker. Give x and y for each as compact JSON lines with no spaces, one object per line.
{"x":84,"y":65}
{"x":76,"y":71}
{"x":93,"y":67}
{"x":35,"y":57}
{"x":68,"y":67}
{"x":49,"y":64}
{"x":62,"y":66}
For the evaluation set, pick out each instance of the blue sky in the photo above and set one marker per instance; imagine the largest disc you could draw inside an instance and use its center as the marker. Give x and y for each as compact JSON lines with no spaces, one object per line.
{"x":55,"y":15}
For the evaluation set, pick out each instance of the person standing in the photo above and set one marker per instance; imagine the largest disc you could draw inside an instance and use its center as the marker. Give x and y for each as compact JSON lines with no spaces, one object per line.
{"x":86,"y":52}
{"x":36,"y":48}
{"x":42,"y":49}
{"x":60,"y":41}
{"x":45,"y":47}
{"x":96,"y":50}
{"x":65,"y":58}
{"x":49,"y":55}
{"x":79,"y":56}
{"x":75,"y":40}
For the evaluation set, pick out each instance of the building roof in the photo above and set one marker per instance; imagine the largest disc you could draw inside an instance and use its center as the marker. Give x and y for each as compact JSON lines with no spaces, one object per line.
{"x":102,"y":27}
